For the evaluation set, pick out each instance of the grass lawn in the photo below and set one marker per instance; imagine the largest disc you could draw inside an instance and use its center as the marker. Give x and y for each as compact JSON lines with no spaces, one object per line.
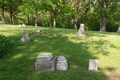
{"x":103,"y":46}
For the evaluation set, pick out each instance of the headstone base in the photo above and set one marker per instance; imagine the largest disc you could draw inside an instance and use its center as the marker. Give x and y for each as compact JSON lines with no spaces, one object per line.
{"x":37,"y":33}
{"x":81,"y":35}
{"x":25,"y":40}
{"x":46,"y":65}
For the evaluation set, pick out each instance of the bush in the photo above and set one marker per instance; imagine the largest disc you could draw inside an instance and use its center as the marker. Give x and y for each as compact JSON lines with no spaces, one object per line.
{"x":5,"y":45}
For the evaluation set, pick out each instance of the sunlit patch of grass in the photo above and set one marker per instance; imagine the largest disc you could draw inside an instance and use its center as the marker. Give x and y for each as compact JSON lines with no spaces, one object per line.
{"x":103,"y":46}
{"x":18,"y":56}
{"x":72,"y":66}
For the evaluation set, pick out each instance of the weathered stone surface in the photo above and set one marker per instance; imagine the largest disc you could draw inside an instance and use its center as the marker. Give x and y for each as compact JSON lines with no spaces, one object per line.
{"x":93,"y":65}
{"x":81,"y":32}
{"x":46,"y":65}
{"x":25,"y":37}
{"x":25,"y":40}
{"x":61,"y":63}
{"x":60,"y":58}
{"x":44,"y":57}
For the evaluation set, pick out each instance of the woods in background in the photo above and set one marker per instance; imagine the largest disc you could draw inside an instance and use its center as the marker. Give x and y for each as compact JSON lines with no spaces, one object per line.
{"x":97,"y":15}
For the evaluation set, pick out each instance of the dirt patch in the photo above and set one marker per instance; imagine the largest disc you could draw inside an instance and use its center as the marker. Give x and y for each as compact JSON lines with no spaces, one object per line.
{"x":113,"y":75}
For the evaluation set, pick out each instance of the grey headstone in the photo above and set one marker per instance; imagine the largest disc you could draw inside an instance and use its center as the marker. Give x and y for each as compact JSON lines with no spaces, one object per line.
{"x":93,"y":65}
{"x":61,"y":63}
{"x":81,"y":32}
{"x":46,"y":65}
{"x":44,"y":57}
{"x":25,"y":37}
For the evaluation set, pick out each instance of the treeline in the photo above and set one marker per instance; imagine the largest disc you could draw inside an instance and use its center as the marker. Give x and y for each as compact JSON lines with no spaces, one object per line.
{"x":97,"y":15}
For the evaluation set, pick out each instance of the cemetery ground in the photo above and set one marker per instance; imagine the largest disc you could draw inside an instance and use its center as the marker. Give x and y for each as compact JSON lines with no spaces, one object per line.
{"x":18,"y":64}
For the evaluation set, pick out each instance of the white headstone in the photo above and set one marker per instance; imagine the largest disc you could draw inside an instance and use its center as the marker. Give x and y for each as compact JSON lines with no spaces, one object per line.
{"x":61,"y":63}
{"x":82,"y":27}
{"x":37,"y":30}
{"x":19,"y":25}
{"x":81,"y":32}
{"x":93,"y":65}
{"x":23,"y":25}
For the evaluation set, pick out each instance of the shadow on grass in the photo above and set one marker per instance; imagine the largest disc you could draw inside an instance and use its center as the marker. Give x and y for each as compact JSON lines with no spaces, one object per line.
{"x":20,"y":63}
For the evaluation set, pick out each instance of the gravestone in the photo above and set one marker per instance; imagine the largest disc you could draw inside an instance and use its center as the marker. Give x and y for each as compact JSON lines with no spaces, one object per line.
{"x":44,"y":57}
{"x":61,"y":63}
{"x":81,"y":32}
{"x":37,"y":32}
{"x":45,"y":62}
{"x":93,"y":65}
{"x":19,"y":25}
{"x":23,"y":25}
{"x":25,"y":37}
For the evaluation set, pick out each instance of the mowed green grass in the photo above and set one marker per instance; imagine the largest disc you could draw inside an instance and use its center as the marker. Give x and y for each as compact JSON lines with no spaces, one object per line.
{"x":18,"y":64}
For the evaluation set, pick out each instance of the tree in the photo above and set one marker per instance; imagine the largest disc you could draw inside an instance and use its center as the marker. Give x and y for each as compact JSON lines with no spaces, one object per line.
{"x":118,"y":15}
{"x":80,"y":7}
{"x":37,"y":8}
{"x":2,"y":15}
{"x":13,"y":8}
{"x":105,"y":7}
{"x":54,"y":7}
{"x":103,"y":14}
{"x":32,"y":7}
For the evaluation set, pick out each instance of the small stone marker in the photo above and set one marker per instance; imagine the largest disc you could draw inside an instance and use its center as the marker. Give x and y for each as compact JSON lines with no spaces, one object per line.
{"x":25,"y":37}
{"x":23,"y":25}
{"x":45,"y":62}
{"x":93,"y":65}
{"x":19,"y":25}
{"x":37,"y":32}
{"x":81,"y":32}
{"x":61,"y":63}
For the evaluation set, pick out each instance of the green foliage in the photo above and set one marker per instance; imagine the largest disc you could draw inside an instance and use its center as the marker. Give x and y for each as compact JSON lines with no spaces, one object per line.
{"x":5,"y":45}
{"x":84,"y":11}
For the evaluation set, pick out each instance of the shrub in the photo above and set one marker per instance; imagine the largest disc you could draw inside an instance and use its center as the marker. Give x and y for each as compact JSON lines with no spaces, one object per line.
{"x":5,"y":45}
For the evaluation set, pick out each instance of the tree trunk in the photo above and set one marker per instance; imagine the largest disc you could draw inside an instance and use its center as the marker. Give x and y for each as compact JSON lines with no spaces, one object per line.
{"x":101,"y":20}
{"x":36,"y":18}
{"x":103,"y":29}
{"x":103,"y":16}
{"x":54,"y":22}
{"x":75,"y":22}
{"x":72,"y":21}
{"x":75,"y":26}
{"x":10,"y":14}
{"x":3,"y":18}
{"x":118,"y":28}
{"x":50,"y":24}
{"x":28,"y":19}
{"x":13,"y":18}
